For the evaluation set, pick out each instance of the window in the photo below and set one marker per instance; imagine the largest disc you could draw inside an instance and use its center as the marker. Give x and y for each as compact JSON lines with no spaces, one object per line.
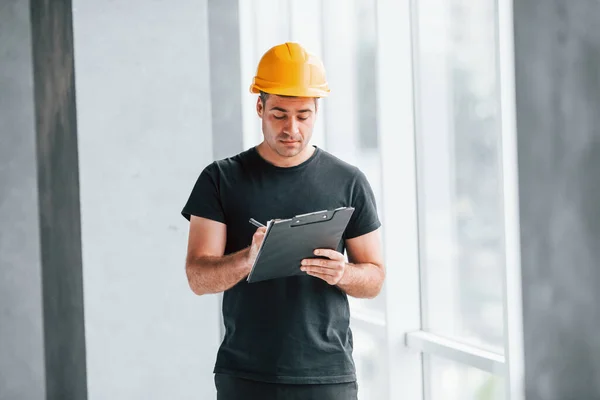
{"x":416,"y":105}
{"x":351,"y":133}
{"x":448,"y":380}
{"x":350,"y":113}
{"x":459,"y":170}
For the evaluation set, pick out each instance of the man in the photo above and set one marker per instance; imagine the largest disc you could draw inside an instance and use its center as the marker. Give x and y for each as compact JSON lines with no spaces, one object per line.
{"x":286,"y":338}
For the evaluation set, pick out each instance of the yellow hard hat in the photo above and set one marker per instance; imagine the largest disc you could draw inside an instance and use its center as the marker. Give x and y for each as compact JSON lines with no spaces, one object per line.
{"x":289,"y":70}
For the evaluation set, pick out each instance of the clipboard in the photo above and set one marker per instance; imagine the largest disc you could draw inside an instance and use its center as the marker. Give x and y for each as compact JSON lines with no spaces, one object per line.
{"x":287,"y":242}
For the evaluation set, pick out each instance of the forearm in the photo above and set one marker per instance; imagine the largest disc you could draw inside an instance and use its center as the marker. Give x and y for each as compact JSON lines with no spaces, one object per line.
{"x":217,"y":274}
{"x":362,"y":280}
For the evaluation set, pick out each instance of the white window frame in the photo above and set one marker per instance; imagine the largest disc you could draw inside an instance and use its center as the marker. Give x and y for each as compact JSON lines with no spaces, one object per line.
{"x":513,"y":308}
{"x":399,"y":199}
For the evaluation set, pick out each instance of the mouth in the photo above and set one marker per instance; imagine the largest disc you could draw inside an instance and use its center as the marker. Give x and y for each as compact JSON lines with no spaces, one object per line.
{"x":288,"y":141}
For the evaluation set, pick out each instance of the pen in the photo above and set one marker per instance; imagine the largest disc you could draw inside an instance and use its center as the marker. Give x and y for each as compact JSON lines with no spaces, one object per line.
{"x":256,"y":223}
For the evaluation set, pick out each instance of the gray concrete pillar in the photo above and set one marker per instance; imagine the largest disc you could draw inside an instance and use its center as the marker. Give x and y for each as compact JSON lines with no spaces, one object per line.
{"x":557,"y":72}
{"x":225,"y":83}
{"x":42,"y":341}
{"x":225,"y":77}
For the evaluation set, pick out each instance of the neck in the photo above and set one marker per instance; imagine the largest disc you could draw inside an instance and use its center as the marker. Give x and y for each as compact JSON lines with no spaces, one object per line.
{"x":274,"y":158}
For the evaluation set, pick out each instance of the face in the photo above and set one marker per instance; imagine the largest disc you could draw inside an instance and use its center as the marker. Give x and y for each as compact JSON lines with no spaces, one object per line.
{"x":287,"y":123}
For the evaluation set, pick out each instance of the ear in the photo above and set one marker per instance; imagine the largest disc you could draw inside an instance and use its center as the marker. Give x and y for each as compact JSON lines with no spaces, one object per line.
{"x":259,"y":107}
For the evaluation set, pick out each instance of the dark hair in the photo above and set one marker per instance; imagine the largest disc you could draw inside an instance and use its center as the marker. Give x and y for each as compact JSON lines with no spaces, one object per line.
{"x":264,"y":96}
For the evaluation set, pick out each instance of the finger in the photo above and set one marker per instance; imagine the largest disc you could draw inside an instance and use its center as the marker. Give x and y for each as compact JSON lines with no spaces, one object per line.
{"x":327,"y":278}
{"x":258,"y":237}
{"x":320,"y":262}
{"x":331,"y":254}
{"x":320,"y":271}
{"x":262,"y":229}
{"x":259,"y":233}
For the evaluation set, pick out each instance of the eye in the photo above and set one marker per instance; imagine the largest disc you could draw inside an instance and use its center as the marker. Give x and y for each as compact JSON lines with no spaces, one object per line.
{"x":279,"y":116}
{"x":302,"y":118}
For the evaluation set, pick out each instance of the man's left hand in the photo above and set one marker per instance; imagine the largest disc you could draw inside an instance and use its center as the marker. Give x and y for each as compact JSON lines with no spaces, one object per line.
{"x":331,"y":270}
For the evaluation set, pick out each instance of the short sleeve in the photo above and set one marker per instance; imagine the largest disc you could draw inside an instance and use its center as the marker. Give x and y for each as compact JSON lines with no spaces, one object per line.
{"x":205,"y":201}
{"x":364,"y":219}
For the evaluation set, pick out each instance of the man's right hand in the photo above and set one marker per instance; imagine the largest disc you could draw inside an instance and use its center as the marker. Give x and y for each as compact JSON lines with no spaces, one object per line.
{"x":208,"y":269}
{"x":257,"y":240}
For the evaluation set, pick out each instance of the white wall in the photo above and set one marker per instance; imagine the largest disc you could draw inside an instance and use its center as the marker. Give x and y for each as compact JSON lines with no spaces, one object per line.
{"x":143,"y":103}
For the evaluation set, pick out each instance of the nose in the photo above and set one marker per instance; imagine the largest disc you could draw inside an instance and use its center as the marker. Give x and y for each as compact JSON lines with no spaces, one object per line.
{"x":292,"y":127}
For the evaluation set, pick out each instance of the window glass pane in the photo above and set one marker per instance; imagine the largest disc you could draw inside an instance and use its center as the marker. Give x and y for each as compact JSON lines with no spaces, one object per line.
{"x":447,"y":380}
{"x":370,"y":359}
{"x":348,"y":118}
{"x":306,"y":22}
{"x":350,"y":115}
{"x":459,"y":175}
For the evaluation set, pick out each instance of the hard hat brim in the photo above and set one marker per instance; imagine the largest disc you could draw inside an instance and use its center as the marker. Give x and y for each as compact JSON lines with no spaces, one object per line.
{"x":292,"y":91}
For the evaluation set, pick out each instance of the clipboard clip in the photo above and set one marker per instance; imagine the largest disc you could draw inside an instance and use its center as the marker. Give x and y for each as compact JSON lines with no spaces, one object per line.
{"x":312,"y":218}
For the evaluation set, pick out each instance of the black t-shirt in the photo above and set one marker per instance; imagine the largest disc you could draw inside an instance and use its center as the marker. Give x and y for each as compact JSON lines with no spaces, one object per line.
{"x":286,"y":330}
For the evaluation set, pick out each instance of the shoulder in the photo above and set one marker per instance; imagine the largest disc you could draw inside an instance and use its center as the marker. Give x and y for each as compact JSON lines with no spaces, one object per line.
{"x":229,"y":165}
{"x":232,"y":162}
{"x":351,"y":176}
{"x":340,"y":167}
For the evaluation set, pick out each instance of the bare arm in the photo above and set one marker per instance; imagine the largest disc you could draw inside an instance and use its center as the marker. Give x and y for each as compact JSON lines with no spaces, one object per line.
{"x":362,"y":277}
{"x":207,"y":269}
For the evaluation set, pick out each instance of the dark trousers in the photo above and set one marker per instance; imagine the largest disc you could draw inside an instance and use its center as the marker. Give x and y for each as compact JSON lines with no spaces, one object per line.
{"x":232,"y":388}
